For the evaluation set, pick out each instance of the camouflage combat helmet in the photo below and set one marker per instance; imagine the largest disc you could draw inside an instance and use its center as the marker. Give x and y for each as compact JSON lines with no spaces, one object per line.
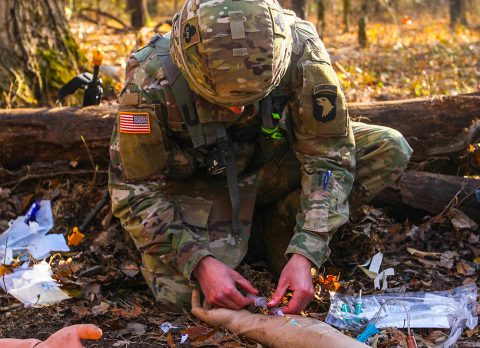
{"x":232,"y":52}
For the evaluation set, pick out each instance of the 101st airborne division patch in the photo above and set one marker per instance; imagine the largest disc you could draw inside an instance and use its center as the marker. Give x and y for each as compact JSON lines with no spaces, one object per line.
{"x":324,"y":102}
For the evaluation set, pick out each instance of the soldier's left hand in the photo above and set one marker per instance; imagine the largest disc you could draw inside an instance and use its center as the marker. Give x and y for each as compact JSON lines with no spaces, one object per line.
{"x":296,"y":276}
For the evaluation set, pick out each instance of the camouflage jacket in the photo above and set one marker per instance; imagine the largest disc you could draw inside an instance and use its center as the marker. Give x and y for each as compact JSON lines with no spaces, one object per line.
{"x":140,"y":165}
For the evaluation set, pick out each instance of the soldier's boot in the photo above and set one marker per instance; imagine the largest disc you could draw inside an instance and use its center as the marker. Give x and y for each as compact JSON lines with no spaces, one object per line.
{"x":382,"y":154}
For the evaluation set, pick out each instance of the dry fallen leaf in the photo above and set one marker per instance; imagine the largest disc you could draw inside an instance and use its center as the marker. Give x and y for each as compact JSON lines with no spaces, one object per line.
{"x":427,"y":263}
{"x":199,"y":333}
{"x":80,"y":311}
{"x":465,"y":269}
{"x":130,"y":268}
{"x":136,"y":328}
{"x":422,"y":254}
{"x":124,"y":313}
{"x":469,"y":281}
{"x":100,"y":309}
{"x":170,"y":340}
{"x":447,"y":259}
{"x":460,"y":221}
{"x":435,"y":338}
{"x":475,"y":330}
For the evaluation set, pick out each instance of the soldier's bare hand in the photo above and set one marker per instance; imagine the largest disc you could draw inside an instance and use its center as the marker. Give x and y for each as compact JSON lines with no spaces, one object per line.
{"x":219,"y":284}
{"x":295,"y":276}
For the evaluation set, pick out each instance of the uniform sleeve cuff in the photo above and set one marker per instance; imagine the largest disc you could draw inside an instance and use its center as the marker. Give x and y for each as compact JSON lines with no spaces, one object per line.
{"x":192,"y":261}
{"x":312,"y":247}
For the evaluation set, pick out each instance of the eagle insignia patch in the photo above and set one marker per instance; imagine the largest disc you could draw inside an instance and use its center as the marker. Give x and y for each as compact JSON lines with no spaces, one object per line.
{"x":324,"y":102}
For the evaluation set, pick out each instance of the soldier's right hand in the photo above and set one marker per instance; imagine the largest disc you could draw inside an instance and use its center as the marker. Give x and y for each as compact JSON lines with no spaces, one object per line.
{"x":219,"y":284}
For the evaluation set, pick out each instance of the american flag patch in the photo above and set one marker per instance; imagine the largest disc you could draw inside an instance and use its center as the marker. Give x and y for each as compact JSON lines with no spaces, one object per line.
{"x":134,"y":122}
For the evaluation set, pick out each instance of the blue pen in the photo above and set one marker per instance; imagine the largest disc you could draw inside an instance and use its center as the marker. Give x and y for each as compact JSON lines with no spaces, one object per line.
{"x":325,"y":181}
{"x":32,"y":212}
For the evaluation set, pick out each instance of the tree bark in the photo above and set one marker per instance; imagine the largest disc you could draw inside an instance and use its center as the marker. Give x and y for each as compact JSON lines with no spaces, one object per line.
{"x":321,"y":17}
{"x":138,"y":13}
{"x":295,"y":5}
{"x":434,"y":192}
{"x":37,"y":52}
{"x":347,"y":12}
{"x":432,"y":126}
{"x":457,"y":12}
{"x":362,"y":25}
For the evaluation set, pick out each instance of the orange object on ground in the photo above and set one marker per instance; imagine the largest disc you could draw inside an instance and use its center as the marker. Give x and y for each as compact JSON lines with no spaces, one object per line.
{"x":69,"y":336}
{"x":76,"y":237}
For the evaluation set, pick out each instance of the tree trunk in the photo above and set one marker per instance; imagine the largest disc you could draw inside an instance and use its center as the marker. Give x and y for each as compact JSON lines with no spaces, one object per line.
{"x":347,"y":12}
{"x":434,"y":192}
{"x":457,"y":12}
{"x":321,"y":17}
{"x":37,"y":52}
{"x":138,"y":13}
{"x":432,"y":126}
{"x":295,"y":5}
{"x":362,"y":26}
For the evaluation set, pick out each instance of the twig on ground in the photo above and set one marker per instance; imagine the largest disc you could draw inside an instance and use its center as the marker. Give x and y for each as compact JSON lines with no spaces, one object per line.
{"x":103,"y":14}
{"x":346,"y":73}
{"x":92,"y":162}
{"x":51,"y":175}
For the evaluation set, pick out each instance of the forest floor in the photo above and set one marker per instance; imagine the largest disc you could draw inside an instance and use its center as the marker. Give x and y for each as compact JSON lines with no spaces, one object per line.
{"x":102,"y":273}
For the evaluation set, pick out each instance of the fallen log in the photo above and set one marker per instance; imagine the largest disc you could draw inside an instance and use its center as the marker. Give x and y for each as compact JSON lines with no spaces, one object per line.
{"x":435,"y":193}
{"x":49,"y":134}
{"x":431,"y":125}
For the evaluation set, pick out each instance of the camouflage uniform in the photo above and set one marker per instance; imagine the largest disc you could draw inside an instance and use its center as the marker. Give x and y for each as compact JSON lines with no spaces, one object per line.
{"x":177,"y":214}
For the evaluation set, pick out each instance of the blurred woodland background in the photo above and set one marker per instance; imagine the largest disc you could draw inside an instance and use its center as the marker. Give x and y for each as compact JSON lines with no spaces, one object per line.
{"x":381,"y":49}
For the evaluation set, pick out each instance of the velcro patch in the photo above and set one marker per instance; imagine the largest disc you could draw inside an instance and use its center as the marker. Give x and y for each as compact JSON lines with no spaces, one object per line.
{"x":279,"y":27}
{"x":190,"y":32}
{"x":324,"y":102}
{"x":134,"y":122}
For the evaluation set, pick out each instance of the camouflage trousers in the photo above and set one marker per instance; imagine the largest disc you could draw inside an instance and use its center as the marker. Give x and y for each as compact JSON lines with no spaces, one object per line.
{"x":382,"y":155}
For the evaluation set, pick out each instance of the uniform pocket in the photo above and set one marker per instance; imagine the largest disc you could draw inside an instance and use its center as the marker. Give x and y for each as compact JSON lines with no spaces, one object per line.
{"x":142,"y":151}
{"x":323,"y":109}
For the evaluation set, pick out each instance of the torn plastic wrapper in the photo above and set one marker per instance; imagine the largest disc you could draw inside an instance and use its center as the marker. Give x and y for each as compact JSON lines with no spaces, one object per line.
{"x":33,"y":286}
{"x":26,"y":236}
{"x":374,"y":271}
{"x":453,"y":309}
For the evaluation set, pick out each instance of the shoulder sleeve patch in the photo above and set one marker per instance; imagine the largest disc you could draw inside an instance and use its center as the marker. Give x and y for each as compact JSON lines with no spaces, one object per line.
{"x":278,"y":22}
{"x":324,"y":102}
{"x":190,"y":33}
{"x":134,"y":122}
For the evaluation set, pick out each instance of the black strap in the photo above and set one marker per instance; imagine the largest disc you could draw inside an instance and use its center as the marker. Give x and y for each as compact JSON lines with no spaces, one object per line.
{"x":228,"y":155}
{"x":207,"y":135}
{"x":266,"y":109}
{"x":185,"y":101}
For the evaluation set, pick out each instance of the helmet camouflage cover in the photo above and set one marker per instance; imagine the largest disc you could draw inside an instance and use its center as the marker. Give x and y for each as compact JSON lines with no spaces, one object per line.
{"x":232,"y":52}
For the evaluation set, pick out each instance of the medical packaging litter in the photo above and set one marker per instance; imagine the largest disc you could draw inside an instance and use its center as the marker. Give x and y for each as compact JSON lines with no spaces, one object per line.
{"x":26,"y":238}
{"x":33,"y":286}
{"x":27,"y":235}
{"x":454,"y":309}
